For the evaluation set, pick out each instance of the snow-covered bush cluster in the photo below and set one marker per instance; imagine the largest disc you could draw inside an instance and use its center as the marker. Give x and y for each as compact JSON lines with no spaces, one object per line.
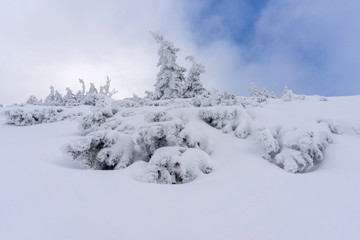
{"x":25,"y":116}
{"x":167,"y":128}
{"x":173,"y":165}
{"x":104,"y":150}
{"x":91,"y":97}
{"x":259,"y":96}
{"x":288,"y":95}
{"x":228,"y":119}
{"x":296,"y":150}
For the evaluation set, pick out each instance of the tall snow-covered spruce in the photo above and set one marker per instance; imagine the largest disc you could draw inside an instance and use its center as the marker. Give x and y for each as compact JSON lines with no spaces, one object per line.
{"x":193,"y":86}
{"x":170,"y":79}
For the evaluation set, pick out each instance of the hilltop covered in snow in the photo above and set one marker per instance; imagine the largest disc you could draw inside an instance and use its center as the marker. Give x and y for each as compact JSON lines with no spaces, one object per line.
{"x":255,"y":167}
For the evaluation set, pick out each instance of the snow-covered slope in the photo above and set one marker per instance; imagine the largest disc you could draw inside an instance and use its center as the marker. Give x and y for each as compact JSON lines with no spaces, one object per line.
{"x":45,"y":195}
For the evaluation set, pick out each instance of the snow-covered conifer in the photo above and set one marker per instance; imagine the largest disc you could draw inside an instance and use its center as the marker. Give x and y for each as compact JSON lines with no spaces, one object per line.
{"x":34,"y":101}
{"x":260,"y":95}
{"x":49,"y":100}
{"x":193,"y":85}
{"x":288,"y":95}
{"x":170,"y":79}
{"x":70,"y":99}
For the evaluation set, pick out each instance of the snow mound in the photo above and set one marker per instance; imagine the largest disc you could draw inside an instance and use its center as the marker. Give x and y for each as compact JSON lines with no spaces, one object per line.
{"x":176,"y":165}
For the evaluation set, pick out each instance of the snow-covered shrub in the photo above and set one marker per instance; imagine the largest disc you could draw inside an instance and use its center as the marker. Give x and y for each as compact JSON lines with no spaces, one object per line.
{"x":70,"y":99}
{"x":1,"y":105}
{"x":287,"y":95}
{"x":259,"y":96}
{"x":214,"y":98}
{"x":99,"y":114}
{"x":160,"y":116}
{"x":34,"y":101}
{"x":295,"y":150}
{"x":105,"y":150}
{"x":24,"y":117}
{"x":324,"y":99}
{"x":228,"y":119}
{"x":309,"y":144}
{"x":93,"y":121}
{"x":268,"y":142}
{"x":176,"y":165}
{"x":334,"y":127}
{"x":157,"y":135}
{"x":105,"y":90}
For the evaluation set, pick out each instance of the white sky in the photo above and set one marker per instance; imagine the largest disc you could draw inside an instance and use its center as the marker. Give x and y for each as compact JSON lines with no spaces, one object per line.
{"x":312,"y":46}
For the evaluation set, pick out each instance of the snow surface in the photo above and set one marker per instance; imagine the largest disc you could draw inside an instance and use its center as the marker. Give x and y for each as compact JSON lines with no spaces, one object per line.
{"x":44,"y":195}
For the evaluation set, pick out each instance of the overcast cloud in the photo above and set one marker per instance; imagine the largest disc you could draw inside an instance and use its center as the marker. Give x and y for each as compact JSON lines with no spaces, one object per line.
{"x":311,"y":46}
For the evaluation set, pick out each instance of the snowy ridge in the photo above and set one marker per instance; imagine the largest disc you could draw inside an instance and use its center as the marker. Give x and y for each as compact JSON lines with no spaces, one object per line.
{"x":250,"y":197}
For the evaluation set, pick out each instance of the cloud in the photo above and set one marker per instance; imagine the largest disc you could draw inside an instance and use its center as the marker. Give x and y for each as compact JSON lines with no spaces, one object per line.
{"x":312,"y":46}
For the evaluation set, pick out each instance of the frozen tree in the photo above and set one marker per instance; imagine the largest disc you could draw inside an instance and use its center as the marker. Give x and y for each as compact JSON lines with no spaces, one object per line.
{"x":34,"y":101}
{"x":69,"y":98}
{"x":287,"y":95}
{"x":50,"y":99}
{"x":260,"y":95}
{"x":104,"y":150}
{"x":1,"y":105}
{"x":82,"y":86}
{"x":176,"y":165}
{"x":169,"y":82}
{"x":193,"y":85}
{"x":58,"y":99}
{"x":91,"y":96}
{"x":106,"y":88}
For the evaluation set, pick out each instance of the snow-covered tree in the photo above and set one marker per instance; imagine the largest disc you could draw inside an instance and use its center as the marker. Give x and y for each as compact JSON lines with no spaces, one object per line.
{"x":260,"y":95}
{"x":69,"y":99}
{"x":91,"y":96}
{"x":193,"y":85}
{"x":170,"y":79}
{"x":106,"y":88}
{"x":34,"y":101}
{"x":49,"y":100}
{"x":58,"y":99}
{"x":288,"y":95}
